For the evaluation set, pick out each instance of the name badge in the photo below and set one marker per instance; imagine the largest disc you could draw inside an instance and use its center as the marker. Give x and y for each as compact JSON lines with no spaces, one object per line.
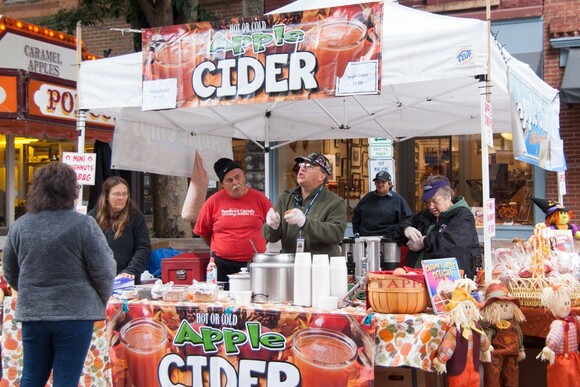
{"x":300,"y":245}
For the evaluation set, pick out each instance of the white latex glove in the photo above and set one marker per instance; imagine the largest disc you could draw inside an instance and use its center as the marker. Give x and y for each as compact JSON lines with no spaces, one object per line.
{"x":295,"y":216}
{"x":413,"y":234}
{"x":521,"y":355}
{"x":416,"y":246}
{"x":273,"y":219}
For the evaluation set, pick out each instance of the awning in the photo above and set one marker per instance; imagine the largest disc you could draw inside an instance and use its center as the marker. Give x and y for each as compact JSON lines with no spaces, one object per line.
{"x":570,"y":89}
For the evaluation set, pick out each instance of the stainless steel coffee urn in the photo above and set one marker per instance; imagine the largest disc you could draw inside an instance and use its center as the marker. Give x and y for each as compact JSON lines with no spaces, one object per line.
{"x":272,"y":277}
{"x":390,"y":254}
{"x":372,"y":252}
{"x":347,"y":247}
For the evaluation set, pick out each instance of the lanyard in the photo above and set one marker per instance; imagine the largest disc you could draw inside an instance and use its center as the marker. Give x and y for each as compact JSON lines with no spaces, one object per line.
{"x":311,"y":203}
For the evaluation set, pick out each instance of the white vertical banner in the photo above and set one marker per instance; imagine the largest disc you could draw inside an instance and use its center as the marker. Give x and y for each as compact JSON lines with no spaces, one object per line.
{"x":561,"y":186}
{"x":488,"y":124}
{"x":489,"y":215}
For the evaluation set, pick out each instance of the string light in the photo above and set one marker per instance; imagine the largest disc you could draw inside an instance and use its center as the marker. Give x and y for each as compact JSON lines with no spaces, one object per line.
{"x":7,"y":23}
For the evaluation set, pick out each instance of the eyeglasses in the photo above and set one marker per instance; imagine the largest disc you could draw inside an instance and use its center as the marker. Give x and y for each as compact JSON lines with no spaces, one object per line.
{"x":307,"y":165}
{"x":120,"y":194}
{"x":435,"y":201}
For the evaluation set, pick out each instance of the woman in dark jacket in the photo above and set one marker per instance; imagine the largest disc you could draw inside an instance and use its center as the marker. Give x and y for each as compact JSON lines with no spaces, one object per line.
{"x":124,"y":227}
{"x":445,"y":230}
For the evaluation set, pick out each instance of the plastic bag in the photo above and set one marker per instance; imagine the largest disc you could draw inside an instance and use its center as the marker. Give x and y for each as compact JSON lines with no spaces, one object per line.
{"x":196,"y":192}
{"x":154,"y":264}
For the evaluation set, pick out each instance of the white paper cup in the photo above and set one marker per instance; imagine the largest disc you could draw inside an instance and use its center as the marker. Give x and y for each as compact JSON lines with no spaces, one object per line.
{"x":328,"y":302}
{"x":243,"y":297}
{"x":320,"y":260}
{"x":337,"y":261}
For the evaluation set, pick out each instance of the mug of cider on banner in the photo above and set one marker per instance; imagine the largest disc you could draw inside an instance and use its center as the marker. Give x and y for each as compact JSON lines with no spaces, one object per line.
{"x":335,"y":42}
{"x":323,"y":355}
{"x":178,"y":58}
{"x":145,"y":342}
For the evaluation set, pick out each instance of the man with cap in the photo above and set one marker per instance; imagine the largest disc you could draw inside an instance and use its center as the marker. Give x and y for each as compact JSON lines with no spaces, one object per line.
{"x":310,"y":217}
{"x":445,"y":229}
{"x":231,"y":220}
{"x":378,"y":211}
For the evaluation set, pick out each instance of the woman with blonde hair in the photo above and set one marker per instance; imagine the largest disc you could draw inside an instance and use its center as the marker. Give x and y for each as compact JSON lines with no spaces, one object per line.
{"x":124,"y":227}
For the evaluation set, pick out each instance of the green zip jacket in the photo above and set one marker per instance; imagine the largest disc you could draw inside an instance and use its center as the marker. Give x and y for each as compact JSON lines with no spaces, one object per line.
{"x":325,"y":222}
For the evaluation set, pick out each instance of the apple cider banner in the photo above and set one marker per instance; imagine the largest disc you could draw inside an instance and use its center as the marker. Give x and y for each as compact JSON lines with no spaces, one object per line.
{"x":154,"y":343}
{"x":309,"y":54}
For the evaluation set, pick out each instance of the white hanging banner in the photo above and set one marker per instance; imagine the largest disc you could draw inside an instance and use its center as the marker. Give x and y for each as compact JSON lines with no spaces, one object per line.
{"x":165,"y":151}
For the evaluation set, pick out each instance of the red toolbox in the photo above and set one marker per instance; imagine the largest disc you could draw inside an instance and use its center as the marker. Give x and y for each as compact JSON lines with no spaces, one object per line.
{"x":183,"y":268}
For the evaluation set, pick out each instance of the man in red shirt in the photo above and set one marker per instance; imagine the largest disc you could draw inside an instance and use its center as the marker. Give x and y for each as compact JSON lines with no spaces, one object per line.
{"x":231,"y":220}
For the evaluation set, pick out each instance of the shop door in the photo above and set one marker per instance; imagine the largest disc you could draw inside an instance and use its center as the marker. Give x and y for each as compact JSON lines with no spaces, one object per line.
{"x":433,"y":156}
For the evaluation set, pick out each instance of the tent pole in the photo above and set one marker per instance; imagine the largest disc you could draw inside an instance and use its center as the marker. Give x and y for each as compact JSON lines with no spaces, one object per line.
{"x":81,"y":113}
{"x":486,"y":98}
{"x":267,"y":169}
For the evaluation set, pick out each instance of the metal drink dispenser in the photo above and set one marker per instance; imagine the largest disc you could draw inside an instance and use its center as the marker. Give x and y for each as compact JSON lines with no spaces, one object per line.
{"x":373,"y":253}
{"x":358,"y":253}
{"x":347,"y":251}
{"x":390,"y":255}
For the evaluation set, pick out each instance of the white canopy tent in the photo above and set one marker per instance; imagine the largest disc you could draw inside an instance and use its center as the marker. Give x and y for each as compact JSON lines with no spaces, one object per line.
{"x":432,"y":84}
{"x":430,"y":78}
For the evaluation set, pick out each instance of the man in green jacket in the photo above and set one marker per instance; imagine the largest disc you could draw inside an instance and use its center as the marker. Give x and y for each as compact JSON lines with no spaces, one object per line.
{"x":314,"y":218}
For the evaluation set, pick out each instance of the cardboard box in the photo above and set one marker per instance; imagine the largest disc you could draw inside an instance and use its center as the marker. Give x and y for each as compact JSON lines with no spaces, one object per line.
{"x":183,"y":268}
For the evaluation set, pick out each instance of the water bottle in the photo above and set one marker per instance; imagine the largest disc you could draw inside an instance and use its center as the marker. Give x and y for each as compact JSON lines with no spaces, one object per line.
{"x":211,"y":276}
{"x":363,"y":269}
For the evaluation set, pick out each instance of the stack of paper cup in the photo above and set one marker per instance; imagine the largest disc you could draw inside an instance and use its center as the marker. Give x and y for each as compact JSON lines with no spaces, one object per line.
{"x":328,"y":302}
{"x":338,"y":277}
{"x":320,"y":278}
{"x":303,"y":279}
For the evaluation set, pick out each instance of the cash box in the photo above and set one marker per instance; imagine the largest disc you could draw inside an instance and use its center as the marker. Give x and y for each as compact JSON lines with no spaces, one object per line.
{"x":183,"y":268}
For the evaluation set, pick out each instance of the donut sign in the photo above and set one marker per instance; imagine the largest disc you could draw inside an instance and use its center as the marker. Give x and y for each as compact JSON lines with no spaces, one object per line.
{"x":84,"y":164}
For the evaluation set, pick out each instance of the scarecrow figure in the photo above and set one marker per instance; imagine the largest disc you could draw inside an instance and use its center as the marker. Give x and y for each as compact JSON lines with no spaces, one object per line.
{"x":465,"y":343}
{"x":561,"y":348}
{"x":558,"y":217}
{"x":501,"y":317}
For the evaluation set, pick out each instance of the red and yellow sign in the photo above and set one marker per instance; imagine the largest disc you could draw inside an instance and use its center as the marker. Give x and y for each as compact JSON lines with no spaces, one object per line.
{"x":8,"y":94}
{"x":57,"y":101}
{"x":309,"y":54}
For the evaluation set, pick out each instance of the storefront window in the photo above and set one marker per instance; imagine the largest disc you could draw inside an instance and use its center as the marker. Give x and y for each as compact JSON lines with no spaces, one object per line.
{"x":456,"y":157}
{"x":30,"y":154}
{"x":459,"y":159}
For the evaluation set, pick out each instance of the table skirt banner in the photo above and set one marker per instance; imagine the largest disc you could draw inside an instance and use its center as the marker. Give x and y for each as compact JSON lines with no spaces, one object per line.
{"x":154,"y":343}
{"x":409,"y":339}
{"x":96,"y":372}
